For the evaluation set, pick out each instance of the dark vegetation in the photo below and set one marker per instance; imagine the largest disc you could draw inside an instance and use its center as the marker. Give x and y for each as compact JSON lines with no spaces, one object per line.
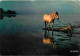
{"x":8,"y":13}
{"x":2,"y":12}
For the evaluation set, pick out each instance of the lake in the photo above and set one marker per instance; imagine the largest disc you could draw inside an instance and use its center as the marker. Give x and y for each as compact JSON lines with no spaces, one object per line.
{"x":24,"y":35}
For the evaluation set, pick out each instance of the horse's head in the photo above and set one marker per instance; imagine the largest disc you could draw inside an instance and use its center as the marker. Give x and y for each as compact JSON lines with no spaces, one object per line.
{"x":56,"y":15}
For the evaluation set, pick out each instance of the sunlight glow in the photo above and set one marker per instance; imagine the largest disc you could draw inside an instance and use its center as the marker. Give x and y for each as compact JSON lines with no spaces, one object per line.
{"x":32,"y":0}
{"x":76,"y":1}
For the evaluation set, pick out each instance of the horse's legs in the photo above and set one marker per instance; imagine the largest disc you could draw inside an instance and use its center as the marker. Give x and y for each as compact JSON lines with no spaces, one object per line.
{"x":52,"y":25}
{"x":49,"y":25}
{"x":52,"y":33}
{"x":45,"y":24}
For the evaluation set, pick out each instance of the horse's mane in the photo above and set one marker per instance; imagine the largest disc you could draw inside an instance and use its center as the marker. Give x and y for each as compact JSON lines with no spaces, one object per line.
{"x":57,"y":13}
{"x":51,"y":15}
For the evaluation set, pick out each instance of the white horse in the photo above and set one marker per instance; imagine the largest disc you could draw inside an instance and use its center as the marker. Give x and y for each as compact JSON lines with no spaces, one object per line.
{"x":49,"y":18}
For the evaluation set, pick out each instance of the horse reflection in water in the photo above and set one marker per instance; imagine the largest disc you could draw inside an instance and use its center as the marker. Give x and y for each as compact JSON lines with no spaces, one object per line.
{"x":48,"y":40}
{"x":61,"y":43}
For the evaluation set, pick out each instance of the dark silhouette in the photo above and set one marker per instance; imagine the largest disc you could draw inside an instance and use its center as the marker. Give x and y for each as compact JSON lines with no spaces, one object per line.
{"x":9,"y":16}
{"x":6,"y":12}
{"x":10,"y":12}
{"x":1,"y":17}
{"x":1,"y":11}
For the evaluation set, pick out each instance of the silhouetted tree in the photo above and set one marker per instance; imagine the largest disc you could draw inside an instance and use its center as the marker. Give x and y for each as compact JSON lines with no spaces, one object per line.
{"x":10,"y":12}
{"x":14,"y":12}
{"x":1,"y":11}
{"x":5,"y":12}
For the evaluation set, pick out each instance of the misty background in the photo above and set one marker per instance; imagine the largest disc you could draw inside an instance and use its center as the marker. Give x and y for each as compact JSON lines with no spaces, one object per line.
{"x":33,"y":7}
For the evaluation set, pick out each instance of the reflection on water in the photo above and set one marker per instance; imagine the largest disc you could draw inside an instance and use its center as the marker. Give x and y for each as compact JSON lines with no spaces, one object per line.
{"x":49,"y":40}
{"x":1,"y":17}
{"x":9,"y":16}
{"x":66,"y":30}
{"x":27,"y":29}
{"x":67,"y":44}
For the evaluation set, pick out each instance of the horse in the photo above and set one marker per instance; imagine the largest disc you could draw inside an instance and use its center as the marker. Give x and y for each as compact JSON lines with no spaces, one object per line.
{"x":49,"y":18}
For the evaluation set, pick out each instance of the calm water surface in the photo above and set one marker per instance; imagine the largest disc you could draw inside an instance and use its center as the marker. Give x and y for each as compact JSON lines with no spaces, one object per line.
{"x":24,"y":34}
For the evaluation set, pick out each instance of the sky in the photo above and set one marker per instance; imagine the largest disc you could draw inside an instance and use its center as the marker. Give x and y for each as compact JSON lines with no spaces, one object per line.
{"x":41,"y":7}
{"x":40,"y":0}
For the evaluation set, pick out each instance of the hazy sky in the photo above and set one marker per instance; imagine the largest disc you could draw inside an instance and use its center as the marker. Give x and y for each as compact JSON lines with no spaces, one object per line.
{"x":41,"y":7}
{"x":40,"y":0}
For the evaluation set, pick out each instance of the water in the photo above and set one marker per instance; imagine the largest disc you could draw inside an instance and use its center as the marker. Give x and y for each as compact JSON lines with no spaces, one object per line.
{"x":24,"y":34}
